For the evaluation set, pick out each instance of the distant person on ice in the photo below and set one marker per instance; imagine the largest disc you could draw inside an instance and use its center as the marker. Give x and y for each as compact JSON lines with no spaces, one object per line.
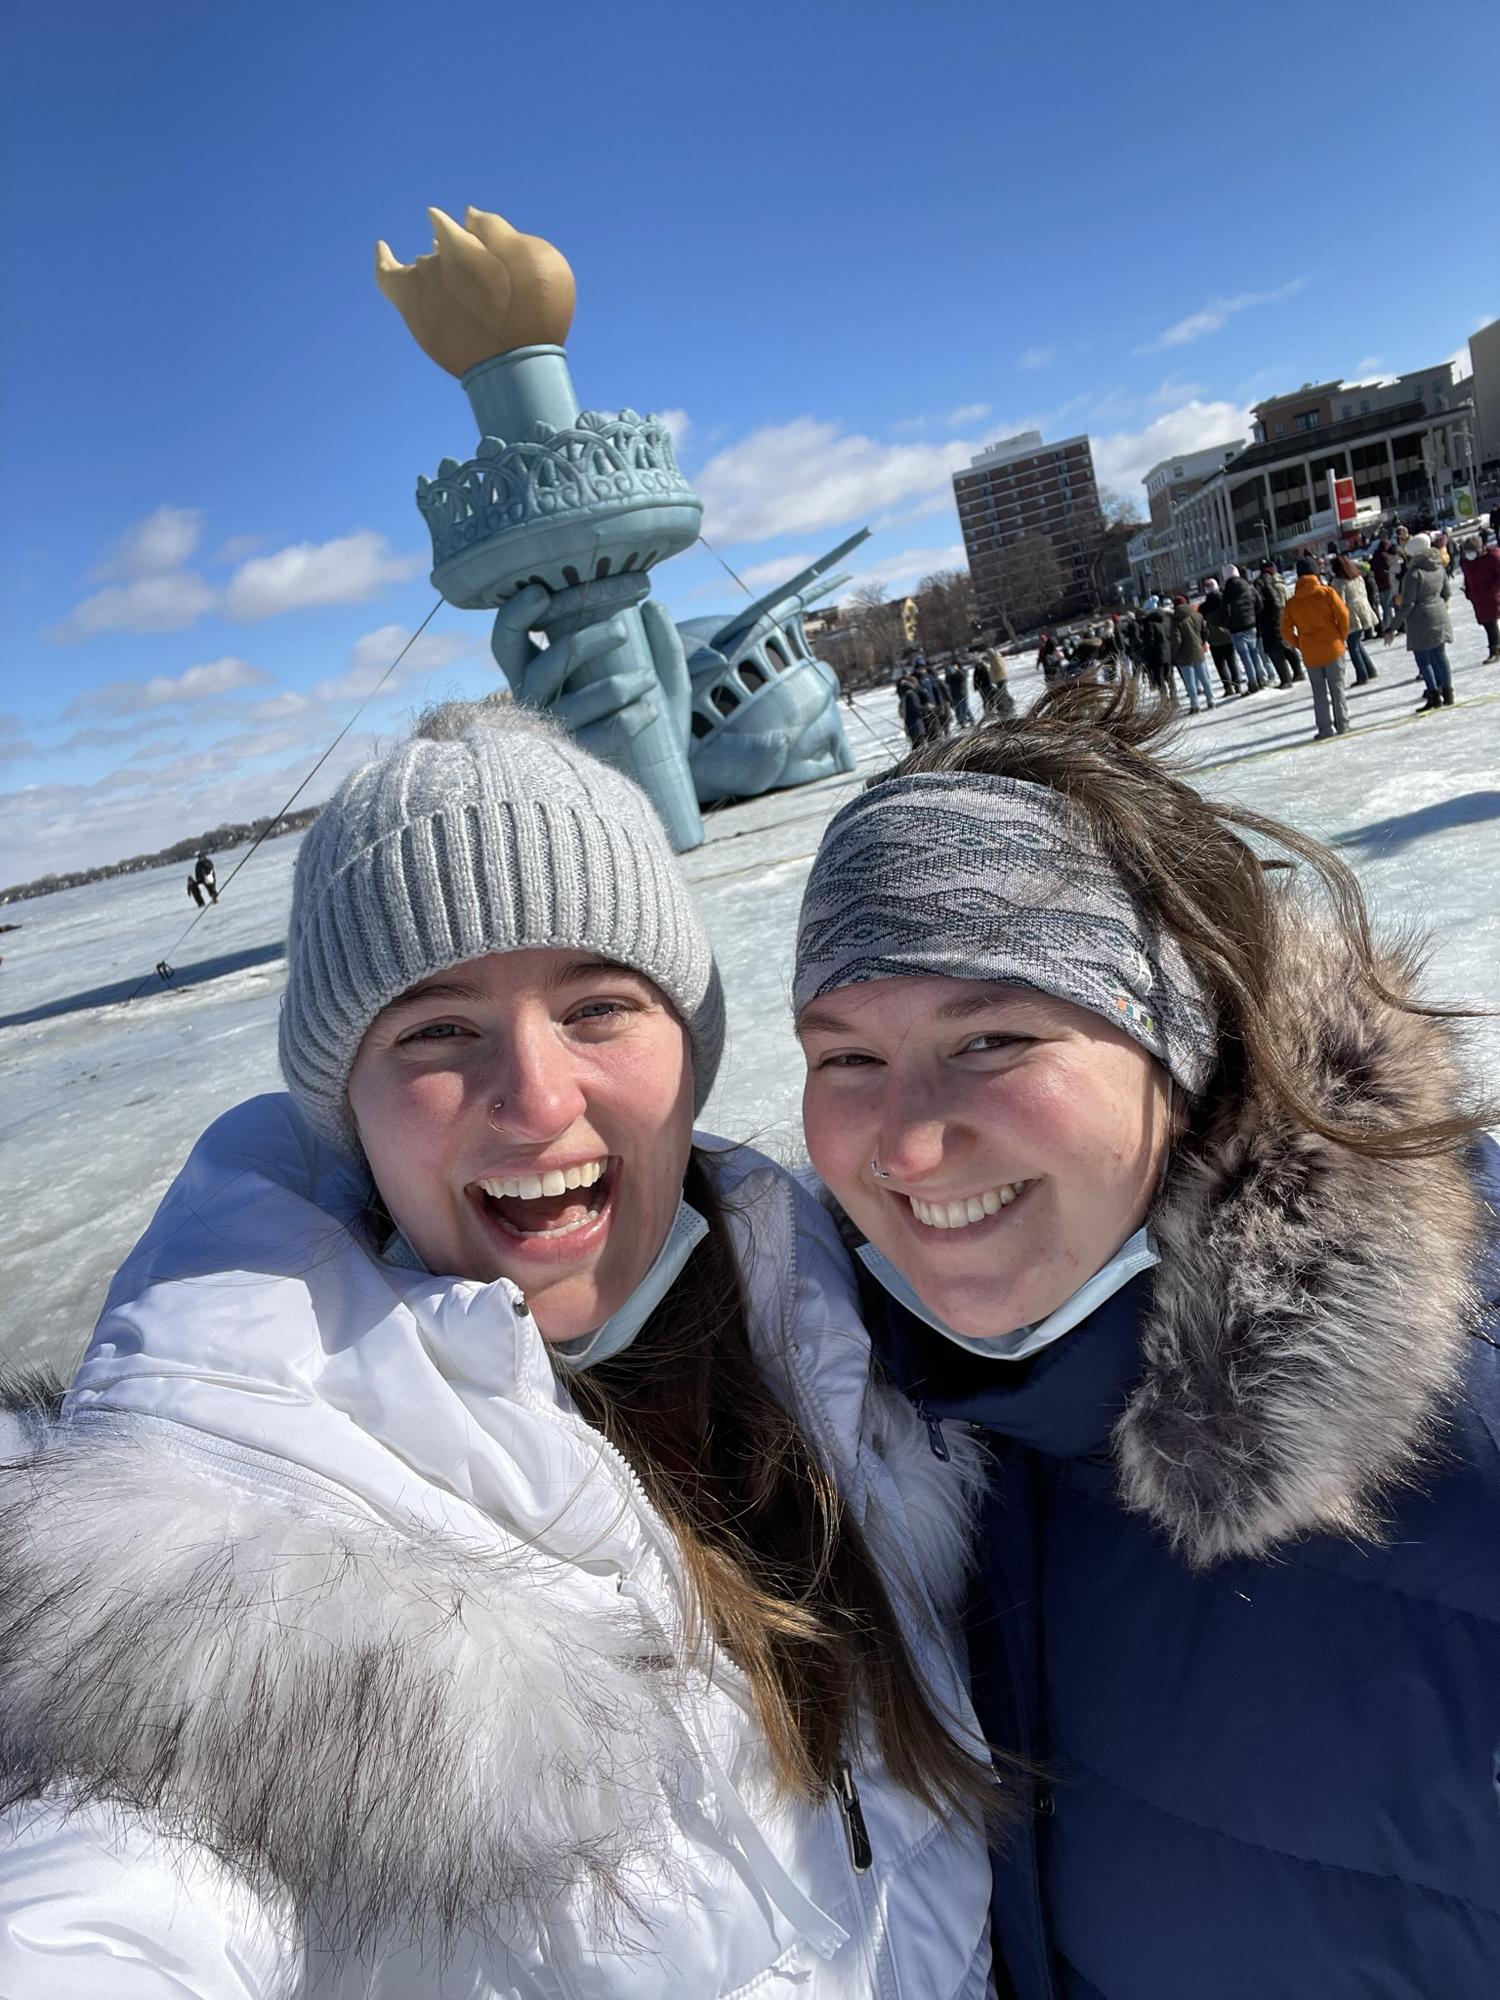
{"x":203,"y":875}
{"x":475,"y":1561}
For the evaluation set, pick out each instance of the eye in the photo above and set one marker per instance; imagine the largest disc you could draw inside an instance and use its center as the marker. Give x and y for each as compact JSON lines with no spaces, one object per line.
{"x":847,"y":1059}
{"x":432,"y":1031}
{"x":994,"y":1043}
{"x":600,"y":1010}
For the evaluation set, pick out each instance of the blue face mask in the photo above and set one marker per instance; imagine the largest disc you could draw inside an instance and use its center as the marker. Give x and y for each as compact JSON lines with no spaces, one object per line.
{"x":1138,"y":1254}
{"x":620,"y":1329}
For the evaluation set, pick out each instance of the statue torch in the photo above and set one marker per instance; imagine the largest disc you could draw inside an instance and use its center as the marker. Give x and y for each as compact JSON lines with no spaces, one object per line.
{"x":558,"y":519}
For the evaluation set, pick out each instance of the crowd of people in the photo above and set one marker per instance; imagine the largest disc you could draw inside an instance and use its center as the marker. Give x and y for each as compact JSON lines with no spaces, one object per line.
{"x":1245,"y":632}
{"x":1255,"y":633}
{"x":934,"y":700}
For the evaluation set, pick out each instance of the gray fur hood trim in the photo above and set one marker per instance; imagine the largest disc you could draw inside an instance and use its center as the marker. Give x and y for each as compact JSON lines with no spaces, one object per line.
{"x":1312,"y":1306}
{"x":400,"y":1733}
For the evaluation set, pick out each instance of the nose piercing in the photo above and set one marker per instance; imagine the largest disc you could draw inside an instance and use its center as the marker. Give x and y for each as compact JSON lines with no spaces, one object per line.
{"x":490,"y":1114}
{"x":879,"y":1172}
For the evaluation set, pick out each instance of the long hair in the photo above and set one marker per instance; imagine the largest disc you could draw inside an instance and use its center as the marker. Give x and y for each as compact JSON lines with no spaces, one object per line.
{"x":780,"y":1575}
{"x":1197,"y":879}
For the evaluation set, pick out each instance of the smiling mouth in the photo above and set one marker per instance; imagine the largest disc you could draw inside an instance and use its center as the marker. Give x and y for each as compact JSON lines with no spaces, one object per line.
{"x":968,"y":1211}
{"x":544,"y":1207}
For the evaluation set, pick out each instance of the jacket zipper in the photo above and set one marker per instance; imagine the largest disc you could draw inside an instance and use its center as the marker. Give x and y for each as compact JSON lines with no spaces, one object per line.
{"x":861,"y":1854}
{"x":935,"y":1438}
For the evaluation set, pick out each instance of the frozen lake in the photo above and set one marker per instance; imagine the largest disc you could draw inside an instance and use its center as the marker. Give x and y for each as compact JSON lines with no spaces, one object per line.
{"x":104,"y":1096}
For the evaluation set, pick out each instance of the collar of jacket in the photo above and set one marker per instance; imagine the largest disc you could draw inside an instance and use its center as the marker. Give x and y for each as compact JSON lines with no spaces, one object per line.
{"x":1063,"y":1400}
{"x":1289,"y":1362}
{"x":253,"y":1312}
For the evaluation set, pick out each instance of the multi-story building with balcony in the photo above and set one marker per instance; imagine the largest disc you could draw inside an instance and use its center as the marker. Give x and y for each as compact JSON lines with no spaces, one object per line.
{"x":1021,"y":486}
{"x":1403,"y":442}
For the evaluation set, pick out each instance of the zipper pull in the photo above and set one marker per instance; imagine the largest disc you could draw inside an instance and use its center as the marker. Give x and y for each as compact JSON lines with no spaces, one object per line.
{"x":935,"y":1439}
{"x":860,"y":1853}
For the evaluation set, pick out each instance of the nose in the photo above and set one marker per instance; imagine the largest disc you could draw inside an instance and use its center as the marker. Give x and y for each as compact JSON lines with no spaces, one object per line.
{"x":915,"y":1131}
{"x":533,"y":1091}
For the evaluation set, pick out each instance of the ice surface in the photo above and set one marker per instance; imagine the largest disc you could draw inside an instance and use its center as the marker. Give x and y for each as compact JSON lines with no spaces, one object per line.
{"x":103,"y":1097}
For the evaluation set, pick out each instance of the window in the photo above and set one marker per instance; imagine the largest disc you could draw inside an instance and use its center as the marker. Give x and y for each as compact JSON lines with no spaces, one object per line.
{"x":1306,"y":420}
{"x":1347,"y":411}
{"x":1364,"y":408}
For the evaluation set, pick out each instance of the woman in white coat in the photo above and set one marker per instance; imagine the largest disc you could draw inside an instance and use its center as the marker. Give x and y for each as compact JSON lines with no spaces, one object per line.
{"x":473,"y":1559}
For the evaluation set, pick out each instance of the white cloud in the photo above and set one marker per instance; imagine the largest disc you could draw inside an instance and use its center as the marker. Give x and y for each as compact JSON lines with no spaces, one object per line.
{"x":1216,"y":314}
{"x":1037,"y":357}
{"x":166,"y":603}
{"x":1122,"y":458}
{"x":966,"y":413}
{"x":371,"y":655}
{"x":214,"y":677}
{"x":760,"y":576}
{"x":130,"y":810}
{"x":901,"y":572}
{"x":162,"y":540}
{"x":799,"y":477}
{"x":237,"y":548}
{"x":346,"y":570}
{"x":678,"y":423}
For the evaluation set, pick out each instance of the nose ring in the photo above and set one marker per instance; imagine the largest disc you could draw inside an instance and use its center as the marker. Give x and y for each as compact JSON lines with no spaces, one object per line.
{"x":879,"y":1172}
{"x":490,"y":1114}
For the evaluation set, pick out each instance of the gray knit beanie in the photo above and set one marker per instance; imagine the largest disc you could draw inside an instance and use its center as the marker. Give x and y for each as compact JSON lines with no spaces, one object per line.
{"x":968,"y":876}
{"x":488,"y":830}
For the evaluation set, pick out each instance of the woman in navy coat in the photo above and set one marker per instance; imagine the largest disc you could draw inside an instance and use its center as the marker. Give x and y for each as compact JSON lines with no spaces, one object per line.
{"x":1176,"y":1195}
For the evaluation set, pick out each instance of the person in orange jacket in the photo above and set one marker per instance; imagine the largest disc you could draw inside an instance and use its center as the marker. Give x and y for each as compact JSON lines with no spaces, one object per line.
{"x":1315,"y":620}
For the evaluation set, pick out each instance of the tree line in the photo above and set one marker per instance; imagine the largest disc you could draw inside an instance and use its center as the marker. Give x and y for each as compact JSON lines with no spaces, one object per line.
{"x":216,"y":840}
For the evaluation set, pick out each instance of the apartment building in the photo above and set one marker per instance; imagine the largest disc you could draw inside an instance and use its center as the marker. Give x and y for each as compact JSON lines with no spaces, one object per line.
{"x":1021,"y":486}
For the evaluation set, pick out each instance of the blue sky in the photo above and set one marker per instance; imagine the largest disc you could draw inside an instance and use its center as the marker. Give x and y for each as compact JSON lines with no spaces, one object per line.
{"x":846,"y":245}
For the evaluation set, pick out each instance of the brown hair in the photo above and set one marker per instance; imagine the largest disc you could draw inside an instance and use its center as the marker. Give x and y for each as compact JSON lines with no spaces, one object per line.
{"x":781,"y":1575}
{"x":1103,"y":747}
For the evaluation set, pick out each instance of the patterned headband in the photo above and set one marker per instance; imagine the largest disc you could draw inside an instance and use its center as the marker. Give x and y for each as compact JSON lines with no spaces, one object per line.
{"x":972,"y":877}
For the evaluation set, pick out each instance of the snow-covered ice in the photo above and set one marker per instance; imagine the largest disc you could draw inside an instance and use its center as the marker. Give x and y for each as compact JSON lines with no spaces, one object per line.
{"x":103,"y":1098}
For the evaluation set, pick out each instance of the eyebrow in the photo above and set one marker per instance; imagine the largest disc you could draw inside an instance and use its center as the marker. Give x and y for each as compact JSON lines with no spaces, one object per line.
{"x":432,"y":989}
{"x":462,"y":989}
{"x":985,"y":1000}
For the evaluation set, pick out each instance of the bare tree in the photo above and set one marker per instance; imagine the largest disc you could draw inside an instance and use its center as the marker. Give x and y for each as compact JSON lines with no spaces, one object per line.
{"x":877,"y":623}
{"x":1119,"y":519}
{"x":1029,"y":578}
{"x":945,"y":610}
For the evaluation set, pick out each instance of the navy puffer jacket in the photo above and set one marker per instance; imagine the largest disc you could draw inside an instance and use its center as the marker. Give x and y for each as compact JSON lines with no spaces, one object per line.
{"x":1239,"y":1585}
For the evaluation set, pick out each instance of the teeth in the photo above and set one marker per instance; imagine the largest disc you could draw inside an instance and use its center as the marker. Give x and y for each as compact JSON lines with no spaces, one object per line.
{"x":530,"y":1187}
{"x":961,"y":1214}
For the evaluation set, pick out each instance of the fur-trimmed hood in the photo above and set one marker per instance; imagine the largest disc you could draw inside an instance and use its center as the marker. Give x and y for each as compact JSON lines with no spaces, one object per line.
{"x":1306,"y":1325}
{"x":321,"y":1574}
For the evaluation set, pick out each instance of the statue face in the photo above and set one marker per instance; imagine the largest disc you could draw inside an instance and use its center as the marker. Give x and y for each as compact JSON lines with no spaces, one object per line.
{"x":768,"y":718}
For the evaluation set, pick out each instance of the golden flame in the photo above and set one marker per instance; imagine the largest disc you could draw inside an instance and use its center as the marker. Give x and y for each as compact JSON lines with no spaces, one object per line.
{"x":485,"y":289}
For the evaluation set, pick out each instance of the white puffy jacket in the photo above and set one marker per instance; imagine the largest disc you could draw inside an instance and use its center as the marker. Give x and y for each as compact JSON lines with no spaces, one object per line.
{"x":342,"y":1657}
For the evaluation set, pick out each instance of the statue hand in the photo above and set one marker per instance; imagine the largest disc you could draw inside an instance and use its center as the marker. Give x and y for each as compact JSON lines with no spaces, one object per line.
{"x":671,"y":665}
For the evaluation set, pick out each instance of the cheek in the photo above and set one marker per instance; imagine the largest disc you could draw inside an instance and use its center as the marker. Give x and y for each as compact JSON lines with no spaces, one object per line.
{"x":836,"y":1133}
{"x":405,"y":1119}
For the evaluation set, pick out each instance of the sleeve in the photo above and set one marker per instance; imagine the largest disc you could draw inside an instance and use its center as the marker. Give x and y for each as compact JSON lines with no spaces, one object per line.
{"x":94,"y":1902}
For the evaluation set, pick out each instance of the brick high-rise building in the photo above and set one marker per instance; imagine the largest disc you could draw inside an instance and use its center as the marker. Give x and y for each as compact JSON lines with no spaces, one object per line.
{"x":1021,"y":486}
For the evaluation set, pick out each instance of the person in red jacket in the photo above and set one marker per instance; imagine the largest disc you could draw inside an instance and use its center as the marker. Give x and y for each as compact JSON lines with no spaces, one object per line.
{"x":1481,"y":572}
{"x":1316,"y":621}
